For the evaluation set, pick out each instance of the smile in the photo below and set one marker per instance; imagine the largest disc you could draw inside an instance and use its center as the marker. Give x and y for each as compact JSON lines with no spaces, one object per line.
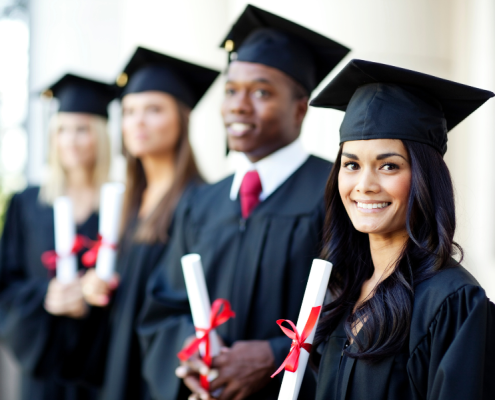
{"x":371,"y":206}
{"x":239,"y":128}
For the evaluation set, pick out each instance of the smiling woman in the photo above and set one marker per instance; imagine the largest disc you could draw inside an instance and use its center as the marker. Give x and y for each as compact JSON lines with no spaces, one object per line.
{"x":374,"y":182}
{"x":407,"y":320}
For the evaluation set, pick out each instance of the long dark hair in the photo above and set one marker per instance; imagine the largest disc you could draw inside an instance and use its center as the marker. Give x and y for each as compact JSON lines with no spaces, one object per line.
{"x":155,"y":227}
{"x":430,"y":221}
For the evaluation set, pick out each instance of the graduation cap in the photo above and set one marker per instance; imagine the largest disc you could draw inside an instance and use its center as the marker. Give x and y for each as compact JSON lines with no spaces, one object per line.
{"x":265,"y":38}
{"x":148,"y":70}
{"x":386,"y":102}
{"x":81,"y":95}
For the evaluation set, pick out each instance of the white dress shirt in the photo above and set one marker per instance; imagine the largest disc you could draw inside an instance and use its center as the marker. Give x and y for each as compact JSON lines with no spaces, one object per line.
{"x":273,"y":170}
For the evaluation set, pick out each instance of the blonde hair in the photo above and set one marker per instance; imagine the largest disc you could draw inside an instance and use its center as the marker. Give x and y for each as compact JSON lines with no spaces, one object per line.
{"x":55,"y":183}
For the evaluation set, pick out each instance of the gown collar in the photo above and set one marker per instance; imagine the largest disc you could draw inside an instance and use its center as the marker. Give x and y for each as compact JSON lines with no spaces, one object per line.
{"x":274,"y":169}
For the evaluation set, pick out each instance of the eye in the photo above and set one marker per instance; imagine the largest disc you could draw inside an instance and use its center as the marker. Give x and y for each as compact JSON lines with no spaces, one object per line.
{"x":229,"y":92}
{"x":82,"y":129}
{"x":126,"y":112}
{"x":389,"y":167}
{"x":261,"y":93}
{"x":351,"y":166}
{"x":154,"y":109}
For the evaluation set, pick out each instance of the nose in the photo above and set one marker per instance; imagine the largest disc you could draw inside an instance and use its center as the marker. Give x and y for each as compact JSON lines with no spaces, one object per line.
{"x":368,"y":182}
{"x":240,"y":103}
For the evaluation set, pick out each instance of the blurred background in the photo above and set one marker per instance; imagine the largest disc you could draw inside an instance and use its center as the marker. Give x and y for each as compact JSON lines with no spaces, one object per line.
{"x":40,"y":40}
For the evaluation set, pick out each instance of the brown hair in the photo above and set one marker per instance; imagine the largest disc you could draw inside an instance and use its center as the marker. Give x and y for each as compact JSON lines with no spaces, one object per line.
{"x":155,"y":227}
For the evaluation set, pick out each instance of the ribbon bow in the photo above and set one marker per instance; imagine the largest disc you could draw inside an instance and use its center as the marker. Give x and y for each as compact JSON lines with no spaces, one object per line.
{"x":49,"y":258}
{"x":298,"y":341}
{"x":89,"y":258}
{"x":221,"y":312}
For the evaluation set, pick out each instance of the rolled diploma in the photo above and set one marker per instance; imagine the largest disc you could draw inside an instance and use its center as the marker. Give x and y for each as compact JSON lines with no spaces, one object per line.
{"x":313,"y":297}
{"x":65,"y":234}
{"x":199,"y":300}
{"x":111,"y":199}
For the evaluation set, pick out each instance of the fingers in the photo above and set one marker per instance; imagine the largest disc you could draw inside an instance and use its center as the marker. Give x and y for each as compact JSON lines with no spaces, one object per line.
{"x":65,"y":299}
{"x":196,"y":365}
{"x":222,"y":359}
{"x":229,"y":392}
{"x":94,"y":297}
{"x":192,"y":382}
{"x":114,"y":282}
{"x":95,"y":290}
{"x":219,"y":381}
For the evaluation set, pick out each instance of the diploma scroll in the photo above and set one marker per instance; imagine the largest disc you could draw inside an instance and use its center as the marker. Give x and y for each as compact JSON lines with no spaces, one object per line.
{"x":313,"y":297}
{"x":199,"y":301}
{"x":65,"y":235}
{"x":111,"y":199}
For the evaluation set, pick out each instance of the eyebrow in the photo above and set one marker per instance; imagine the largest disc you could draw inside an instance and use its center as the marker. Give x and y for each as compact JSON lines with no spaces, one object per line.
{"x":351,"y":156}
{"x":257,"y":80}
{"x":378,"y":157}
{"x":387,"y":155}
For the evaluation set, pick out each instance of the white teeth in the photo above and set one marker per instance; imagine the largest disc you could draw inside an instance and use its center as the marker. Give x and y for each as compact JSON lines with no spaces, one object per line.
{"x":240,"y":127}
{"x":370,"y":206}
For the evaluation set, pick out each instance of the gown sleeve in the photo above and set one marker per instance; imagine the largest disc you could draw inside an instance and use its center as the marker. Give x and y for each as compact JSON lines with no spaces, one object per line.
{"x":165,"y":318}
{"x":24,"y":323}
{"x":458,"y":350}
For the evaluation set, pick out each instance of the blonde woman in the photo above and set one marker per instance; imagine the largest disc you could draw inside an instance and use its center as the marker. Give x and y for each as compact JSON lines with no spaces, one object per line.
{"x":39,"y":316}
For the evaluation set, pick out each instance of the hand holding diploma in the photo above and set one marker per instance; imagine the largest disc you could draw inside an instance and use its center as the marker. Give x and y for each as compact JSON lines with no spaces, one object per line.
{"x":96,"y":291}
{"x":206,"y":318}
{"x":99,"y":283}
{"x":239,"y":370}
{"x":65,"y":299}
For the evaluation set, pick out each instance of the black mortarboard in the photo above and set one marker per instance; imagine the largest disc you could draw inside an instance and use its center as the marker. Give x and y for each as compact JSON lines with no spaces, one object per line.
{"x":265,"y":38}
{"x":386,"y":102}
{"x":148,"y":70}
{"x":81,"y":95}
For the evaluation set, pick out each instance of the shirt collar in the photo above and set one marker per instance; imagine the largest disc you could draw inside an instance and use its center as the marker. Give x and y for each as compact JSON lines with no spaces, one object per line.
{"x":273,"y":170}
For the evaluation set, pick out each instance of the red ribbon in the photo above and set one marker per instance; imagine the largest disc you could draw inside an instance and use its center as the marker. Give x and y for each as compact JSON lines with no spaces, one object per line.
{"x":298,"y":341}
{"x":49,"y":258}
{"x":221,"y":312}
{"x":89,"y":258}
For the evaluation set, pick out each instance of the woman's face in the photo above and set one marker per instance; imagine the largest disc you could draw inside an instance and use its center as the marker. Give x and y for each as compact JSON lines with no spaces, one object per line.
{"x":374,"y":184}
{"x":76,"y":141}
{"x":150,"y":123}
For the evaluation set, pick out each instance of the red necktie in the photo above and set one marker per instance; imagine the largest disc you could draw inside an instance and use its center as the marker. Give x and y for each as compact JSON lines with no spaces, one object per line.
{"x":250,"y":192}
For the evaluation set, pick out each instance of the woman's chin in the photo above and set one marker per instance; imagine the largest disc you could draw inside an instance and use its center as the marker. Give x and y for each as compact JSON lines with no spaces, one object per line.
{"x":369,"y":228}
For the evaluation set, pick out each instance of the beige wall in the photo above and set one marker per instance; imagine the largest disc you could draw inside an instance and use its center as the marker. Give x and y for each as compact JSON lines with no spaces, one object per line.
{"x":449,"y":38}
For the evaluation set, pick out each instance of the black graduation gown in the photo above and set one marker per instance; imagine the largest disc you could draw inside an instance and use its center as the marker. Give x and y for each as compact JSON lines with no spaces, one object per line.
{"x":260,"y":265}
{"x":123,"y":379}
{"x":450,"y":354}
{"x":39,"y":341}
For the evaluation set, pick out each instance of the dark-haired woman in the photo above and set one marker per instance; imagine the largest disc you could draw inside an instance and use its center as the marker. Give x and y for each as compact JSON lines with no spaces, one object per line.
{"x":407,"y":320}
{"x":158,"y":96}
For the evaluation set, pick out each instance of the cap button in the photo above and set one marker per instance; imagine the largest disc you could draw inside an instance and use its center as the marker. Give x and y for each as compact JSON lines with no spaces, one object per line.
{"x":229,"y":45}
{"x":122,"y":79}
{"x":47,"y":94}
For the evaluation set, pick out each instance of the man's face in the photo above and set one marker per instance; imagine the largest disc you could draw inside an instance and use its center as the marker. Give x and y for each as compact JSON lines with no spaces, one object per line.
{"x":260,"y":111}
